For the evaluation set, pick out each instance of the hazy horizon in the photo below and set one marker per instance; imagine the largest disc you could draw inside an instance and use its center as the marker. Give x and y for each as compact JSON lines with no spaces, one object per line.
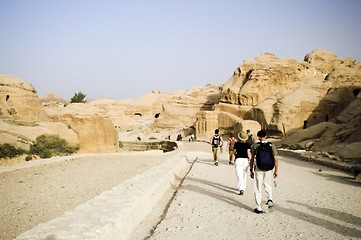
{"x":125,"y":49}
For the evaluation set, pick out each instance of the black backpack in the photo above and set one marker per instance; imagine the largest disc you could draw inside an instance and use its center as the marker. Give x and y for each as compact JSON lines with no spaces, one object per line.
{"x":264,"y":156}
{"x":216,"y":141}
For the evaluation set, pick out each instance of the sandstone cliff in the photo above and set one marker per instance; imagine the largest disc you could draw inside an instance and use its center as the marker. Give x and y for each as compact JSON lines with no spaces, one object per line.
{"x":19,"y":100}
{"x":24,"y":116}
{"x":281,"y":94}
{"x":93,"y":127}
{"x":158,"y":114}
{"x":320,"y":94}
{"x":312,"y":104}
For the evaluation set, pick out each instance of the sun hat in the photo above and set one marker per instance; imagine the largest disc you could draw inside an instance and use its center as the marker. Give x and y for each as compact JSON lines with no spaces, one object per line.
{"x":242,"y":135}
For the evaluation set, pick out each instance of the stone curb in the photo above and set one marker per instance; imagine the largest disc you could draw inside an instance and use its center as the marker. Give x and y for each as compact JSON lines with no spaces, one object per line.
{"x":116,"y":213}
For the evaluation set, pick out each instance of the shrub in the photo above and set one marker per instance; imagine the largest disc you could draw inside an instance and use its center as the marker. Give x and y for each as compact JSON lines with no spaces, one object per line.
{"x":78,"y":98}
{"x":12,"y":111}
{"x":120,"y":144}
{"x":7,"y":150}
{"x":28,"y":158}
{"x":48,"y":145}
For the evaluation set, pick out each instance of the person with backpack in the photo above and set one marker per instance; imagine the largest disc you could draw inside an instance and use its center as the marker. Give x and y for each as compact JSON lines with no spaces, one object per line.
{"x":243,"y":155}
{"x":216,"y":143}
{"x":230,"y":147}
{"x":264,"y":164}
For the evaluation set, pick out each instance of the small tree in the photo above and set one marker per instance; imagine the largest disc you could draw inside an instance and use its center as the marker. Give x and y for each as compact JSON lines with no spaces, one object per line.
{"x":48,"y":145}
{"x":78,"y":98}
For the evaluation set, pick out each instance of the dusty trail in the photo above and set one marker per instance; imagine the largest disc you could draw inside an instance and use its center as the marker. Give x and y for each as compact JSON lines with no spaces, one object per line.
{"x":310,"y":204}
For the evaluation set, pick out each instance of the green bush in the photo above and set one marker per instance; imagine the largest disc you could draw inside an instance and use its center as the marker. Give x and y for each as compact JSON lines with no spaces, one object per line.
{"x":7,"y":150}
{"x":78,"y":98}
{"x":28,"y":158}
{"x":48,"y":145}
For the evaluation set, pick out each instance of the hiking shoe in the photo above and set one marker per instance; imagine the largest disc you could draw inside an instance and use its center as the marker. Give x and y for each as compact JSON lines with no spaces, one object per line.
{"x":269,"y":203}
{"x":257,"y":211}
{"x":216,"y":163}
{"x":241,"y":192}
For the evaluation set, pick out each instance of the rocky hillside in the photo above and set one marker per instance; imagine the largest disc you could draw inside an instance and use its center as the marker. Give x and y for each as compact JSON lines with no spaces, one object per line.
{"x":313,"y":104}
{"x":23,"y":117}
{"x":157,"y":115}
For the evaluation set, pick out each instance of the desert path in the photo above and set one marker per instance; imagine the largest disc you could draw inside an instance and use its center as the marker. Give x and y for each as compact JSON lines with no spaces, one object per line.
{"x":309,"y":203}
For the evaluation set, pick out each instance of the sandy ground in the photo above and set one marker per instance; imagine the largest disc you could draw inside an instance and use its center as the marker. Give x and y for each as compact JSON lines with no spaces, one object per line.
{"x":39,"y":193}
{"x":309,"y":203}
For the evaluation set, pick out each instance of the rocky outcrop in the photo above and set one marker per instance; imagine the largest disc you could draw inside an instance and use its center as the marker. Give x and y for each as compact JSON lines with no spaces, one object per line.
{"x":339,"y":137}
{"x":19,"y":100}
{"x":94,"y":129}
{"x":23,"y":117}
{"x":314,"y":104}
{"x":284,"y":95}
{"x":157,"y":111}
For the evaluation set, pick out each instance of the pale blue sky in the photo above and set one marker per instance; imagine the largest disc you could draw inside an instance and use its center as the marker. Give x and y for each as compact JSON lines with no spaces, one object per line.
{"x":125,"y":49}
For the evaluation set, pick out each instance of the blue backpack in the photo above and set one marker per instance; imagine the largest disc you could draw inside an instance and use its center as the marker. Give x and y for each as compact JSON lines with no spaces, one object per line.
{"x":264,"y":156}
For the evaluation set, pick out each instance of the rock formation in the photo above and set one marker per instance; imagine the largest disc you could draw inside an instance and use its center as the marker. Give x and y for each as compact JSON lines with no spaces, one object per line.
{"x":160,"y":114}
{"x":312,"y":104}
{"x":93,"y":127}
{"x":281,"y":94}
{"x":19,"y":100}
{"x":320,"y":94}
{"x":23,"y":117}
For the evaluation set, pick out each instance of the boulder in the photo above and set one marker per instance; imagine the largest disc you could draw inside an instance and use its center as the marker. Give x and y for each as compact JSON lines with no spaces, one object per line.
{"x":95,"y":130}
{"x":19,"y":100}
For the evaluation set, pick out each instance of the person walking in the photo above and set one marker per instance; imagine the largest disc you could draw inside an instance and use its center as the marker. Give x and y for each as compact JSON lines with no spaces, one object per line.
{"x":216,"y":143}
{"x":264,"y":164}
{"x":230,"y":148}
{"x":243,"y":155}
{"x":250,"y":139}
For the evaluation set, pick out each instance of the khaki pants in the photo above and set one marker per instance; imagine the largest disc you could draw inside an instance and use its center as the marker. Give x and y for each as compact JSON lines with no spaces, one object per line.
{"x":216,"y":152}
{"x":231,"y":156}
{"x":262,"y":179}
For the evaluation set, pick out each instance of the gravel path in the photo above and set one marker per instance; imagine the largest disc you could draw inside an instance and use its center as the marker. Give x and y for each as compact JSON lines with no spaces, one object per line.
{"x":311,"y":202}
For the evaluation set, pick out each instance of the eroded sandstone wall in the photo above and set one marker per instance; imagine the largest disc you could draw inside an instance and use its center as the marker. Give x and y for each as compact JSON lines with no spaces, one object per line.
{"x":18,"y":100}
{"x":285,"y":95}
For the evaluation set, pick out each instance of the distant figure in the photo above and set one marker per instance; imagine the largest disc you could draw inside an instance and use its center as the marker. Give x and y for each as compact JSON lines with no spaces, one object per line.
{"x":216,"y":143}
{"x":230,"y":148}
{"x":250,"y":138}
{"x":168,"y":137}
{"x":139,"y":139}
{"x":243,"y":155}
{"x":179,"y":137}
{"x":264,"y":160}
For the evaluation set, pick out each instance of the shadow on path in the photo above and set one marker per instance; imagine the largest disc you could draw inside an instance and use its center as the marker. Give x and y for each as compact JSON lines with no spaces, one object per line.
{"x":339,"y":179}
{"x":342,"y":216}
{"x":332,"y":226}
{"x":218,"y":196}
